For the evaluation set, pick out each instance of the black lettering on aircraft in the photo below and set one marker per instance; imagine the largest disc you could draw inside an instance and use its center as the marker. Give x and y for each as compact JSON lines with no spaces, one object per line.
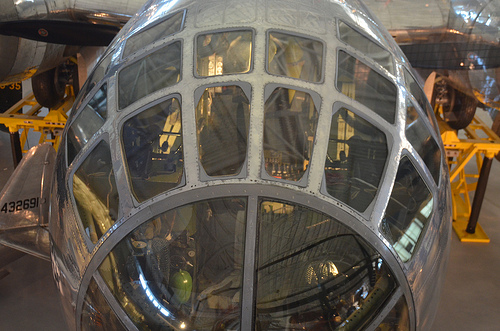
{"x":12,"y":206}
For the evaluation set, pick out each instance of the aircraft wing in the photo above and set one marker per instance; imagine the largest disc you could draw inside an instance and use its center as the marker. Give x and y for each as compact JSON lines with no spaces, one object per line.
{"x":457,"y":39}
{"x":449,"y":34}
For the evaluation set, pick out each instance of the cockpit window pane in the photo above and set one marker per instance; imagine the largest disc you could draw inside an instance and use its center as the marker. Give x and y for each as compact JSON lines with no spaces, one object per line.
{"x":151,"y":73}
{"x":222,"y":121}
{"x":90,"y":119}
{"x":97,"y":315}
{"x":95,"y":193}
{"x":409,"y":210}
{"x":314,"y":273}
{"x":356,"y":157}
{"x":295,"y":57}
{"x":160,"y":30}
{"x":290,"y":121}
{"x":421,"y":98}
{"x":182,"y":269}
{"x":95,"y":77}
{"x":366,"y":46}
{"x":398,"y":318}
{"x":423,"y":142}
{"x":224,"y":53}
{"x":152,"y":141}
{"x":363,"y":84}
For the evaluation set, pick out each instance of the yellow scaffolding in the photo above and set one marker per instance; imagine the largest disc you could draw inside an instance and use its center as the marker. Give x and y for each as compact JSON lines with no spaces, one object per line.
{"x":481,"y":142}
{"x":53,"y":123}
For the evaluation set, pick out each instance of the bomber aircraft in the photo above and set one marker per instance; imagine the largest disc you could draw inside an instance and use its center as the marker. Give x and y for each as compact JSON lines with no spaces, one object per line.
{"x":235,"y":164}
{"x":454,"y":44}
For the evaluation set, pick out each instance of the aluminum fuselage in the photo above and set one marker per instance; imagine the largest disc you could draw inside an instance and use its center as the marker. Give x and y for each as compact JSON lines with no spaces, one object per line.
{"x":76,"y":257}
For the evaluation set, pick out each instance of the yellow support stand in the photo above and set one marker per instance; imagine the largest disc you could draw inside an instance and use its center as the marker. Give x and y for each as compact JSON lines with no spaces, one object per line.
{"x":53,"y":123}
{"x":478,"y":237}
{"x":481,"y":142}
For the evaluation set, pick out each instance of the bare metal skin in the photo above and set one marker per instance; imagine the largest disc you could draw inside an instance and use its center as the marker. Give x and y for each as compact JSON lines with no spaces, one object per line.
{"x":248,"y":165}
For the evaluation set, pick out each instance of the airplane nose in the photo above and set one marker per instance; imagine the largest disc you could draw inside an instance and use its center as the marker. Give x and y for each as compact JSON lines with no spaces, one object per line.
{"x":217,"y":262}
{"x":253,"y":176}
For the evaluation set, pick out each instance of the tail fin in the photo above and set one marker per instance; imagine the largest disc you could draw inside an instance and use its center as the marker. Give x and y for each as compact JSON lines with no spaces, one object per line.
{"x":24,"y":203}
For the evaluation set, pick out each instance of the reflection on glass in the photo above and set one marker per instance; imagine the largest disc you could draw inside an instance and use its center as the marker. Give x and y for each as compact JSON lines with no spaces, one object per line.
{"x":145,"y":37}
{"x":182,"y":269}
{"x":224,"y":53}
{"x":95,"y":193}
{"x":356,"y":156}
{"x":411,"y":113}
{"x":97,"y":75}
{"x":409,"y":209}
{"x":295,"y":57}
{"x":90,"y":119}
{"x":97,"y":315}
{"x":151,"y":73}
{"x":398,"y":318}
{"x":153,"y":147}
{"x":366,"y":46}
{"x":313,"y":273}
{"x":421,"y":98}
{"x":290,"y":121}
{"x":421,"y":139}
{"x":222,"y":120}
{"x":361,"y":83}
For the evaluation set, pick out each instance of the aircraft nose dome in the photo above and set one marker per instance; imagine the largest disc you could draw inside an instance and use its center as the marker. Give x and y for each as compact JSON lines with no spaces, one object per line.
{"x":231,"y":169}
{"x":187,"y":268}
